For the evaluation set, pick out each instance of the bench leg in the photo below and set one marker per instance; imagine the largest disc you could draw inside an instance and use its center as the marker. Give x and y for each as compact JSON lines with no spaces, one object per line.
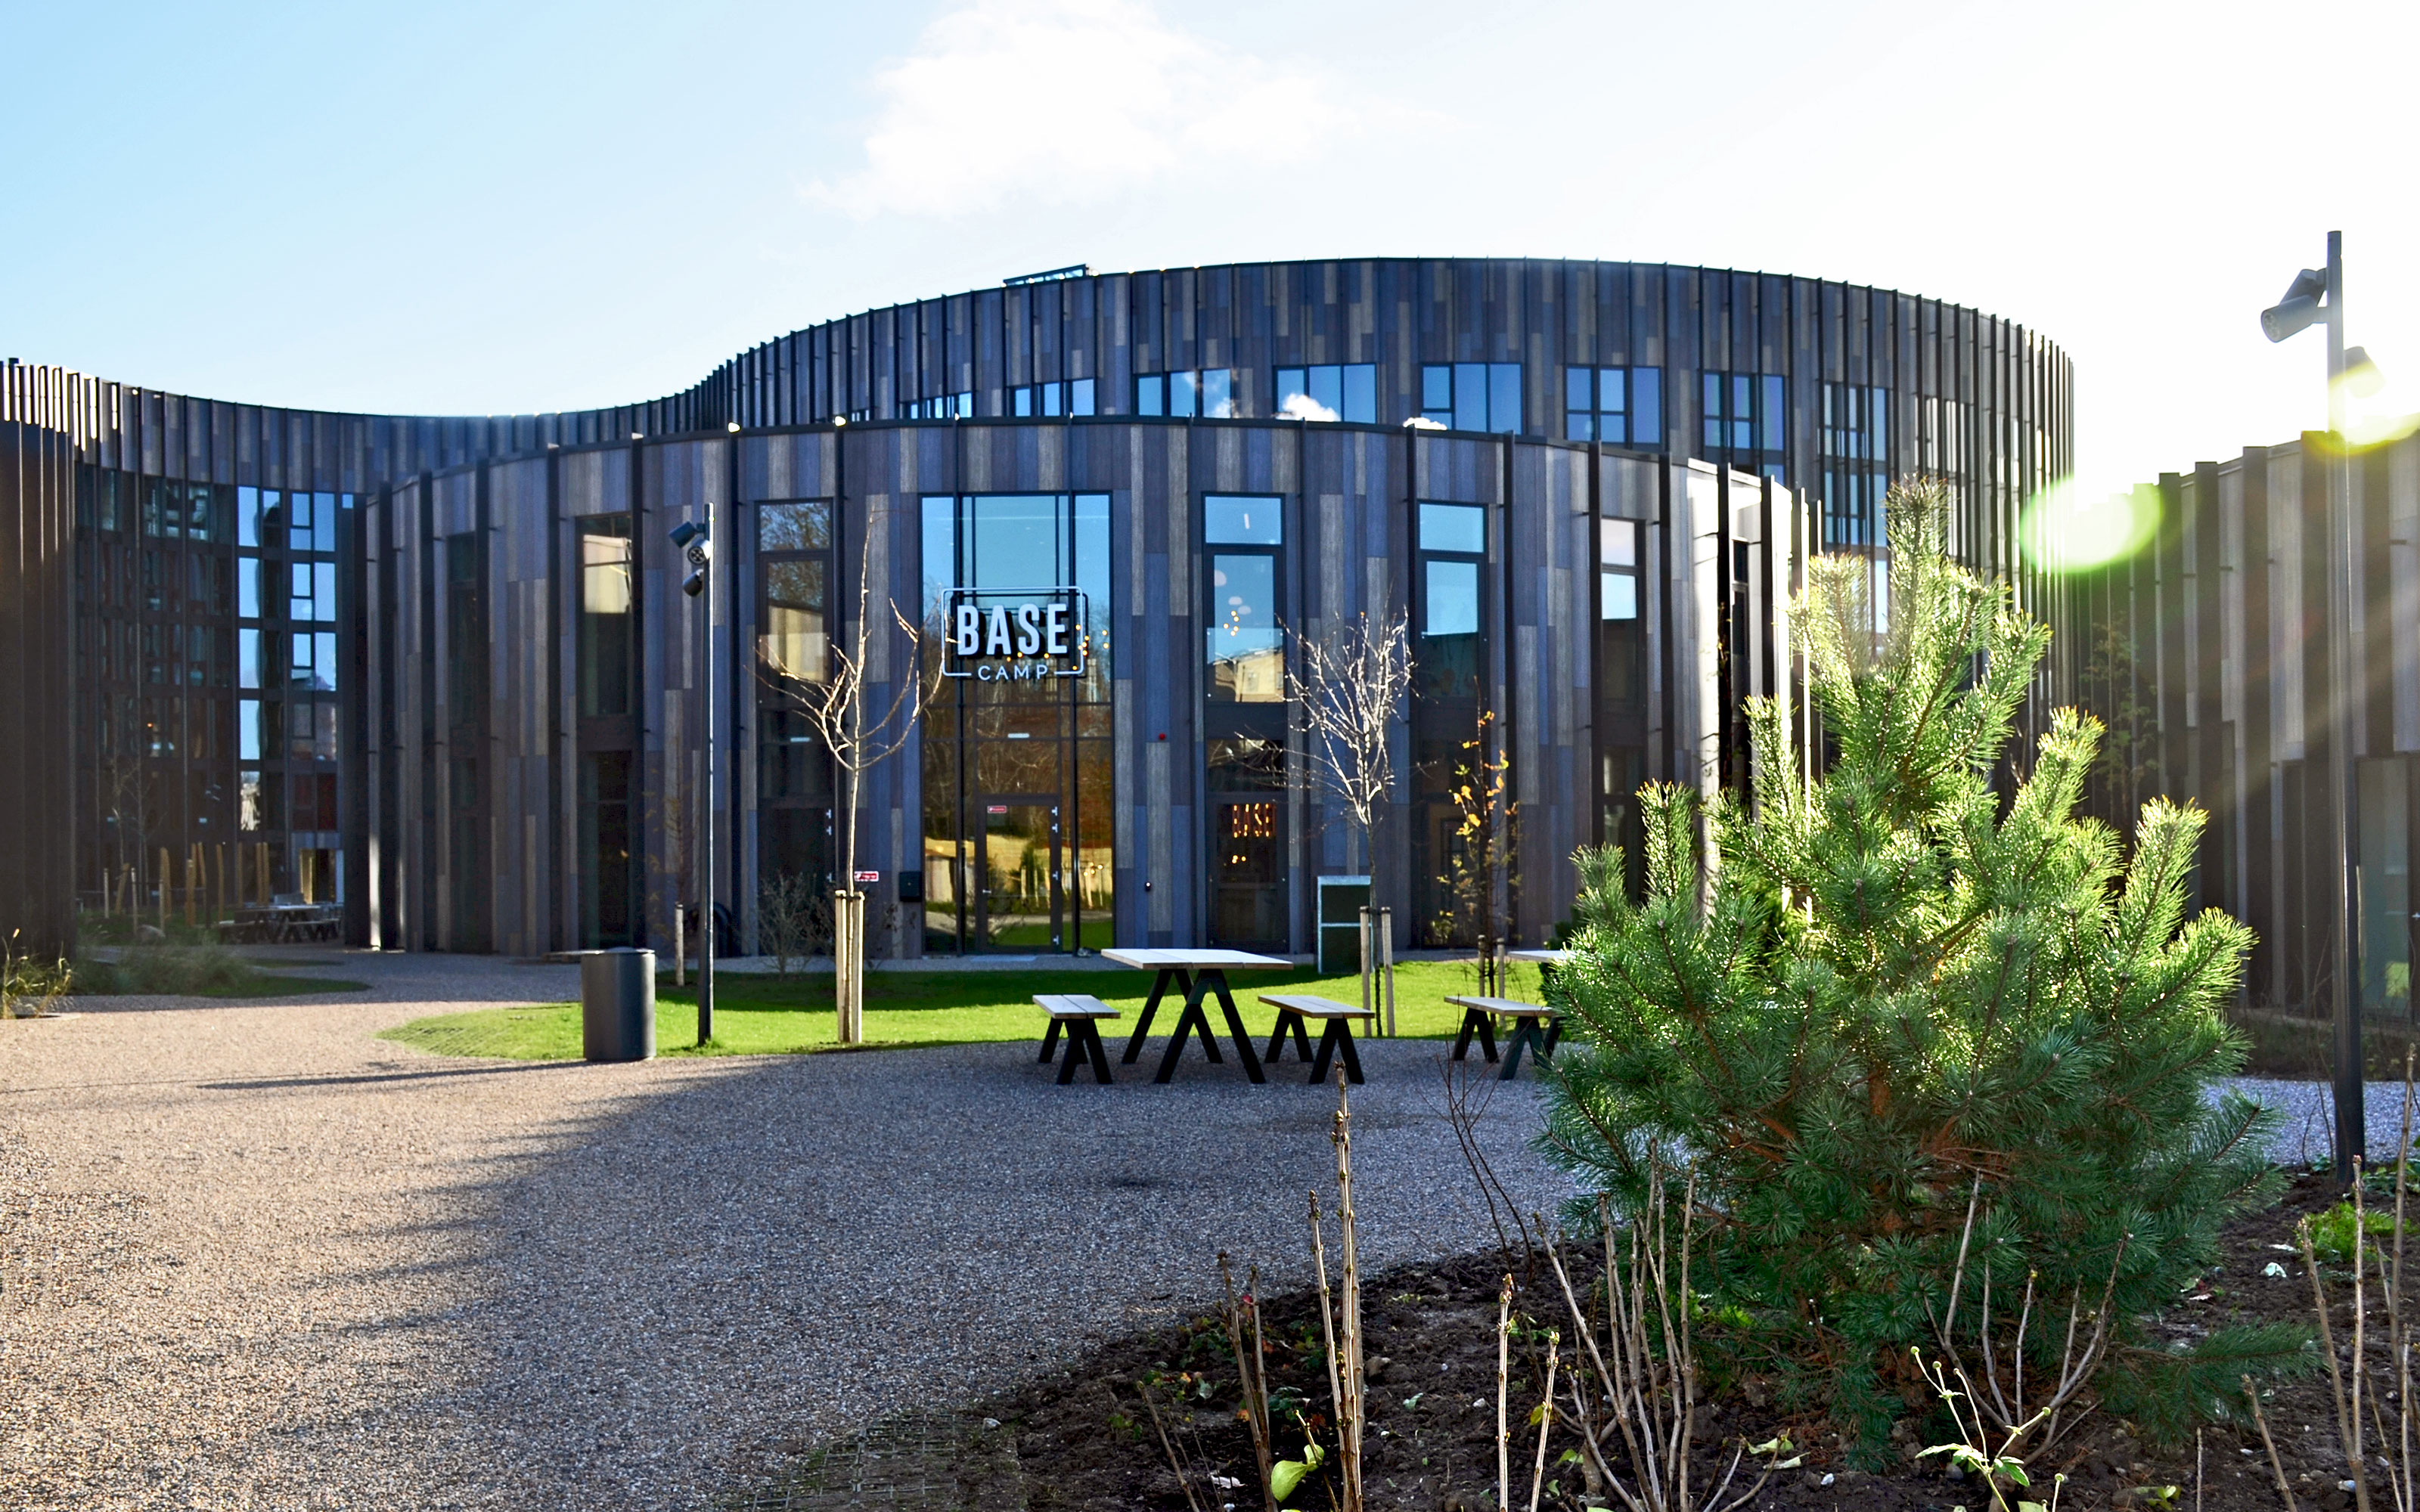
{"x":1462,"y":1040}
{"x":1327,"y":1049}
{"x":1049,"y":1040}
{"x":1344,"y":1045}
{"x":1525,"y":1032}
{"x":1075,"y":1056}
{"x":1553,"y":1037}
{"x":1277,"y":1041}
{"x":1100,"y":1055}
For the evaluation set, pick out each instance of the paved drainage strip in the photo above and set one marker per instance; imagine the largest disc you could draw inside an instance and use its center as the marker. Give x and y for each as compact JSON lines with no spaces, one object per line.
{"x":914,"y":1462}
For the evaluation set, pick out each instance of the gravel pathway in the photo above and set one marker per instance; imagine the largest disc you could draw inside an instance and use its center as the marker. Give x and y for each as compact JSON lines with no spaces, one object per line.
{"x":251,"y":1256}
{"x":2307,"y":1125}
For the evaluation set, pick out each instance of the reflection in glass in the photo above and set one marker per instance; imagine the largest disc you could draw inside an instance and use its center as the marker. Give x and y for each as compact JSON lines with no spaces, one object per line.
{"x":605,"y":626}
{"x":1453,"y":528}
{"x":1245,"y":763}
{"x":1017,"y":541}
{"x":1452,"y":601}
{"x":1247,"y":650}
{"x":796,"y":642}
{"x":1619,"y":595}
{"x":794,"y":527}
{"x":1228,"y":520}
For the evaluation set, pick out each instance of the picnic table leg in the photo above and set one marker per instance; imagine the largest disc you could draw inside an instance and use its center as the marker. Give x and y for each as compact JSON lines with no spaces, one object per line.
{"x":1100,"y":1057}
{"x":1215,"y":980}
{"x":1344,"y":1045}
{"x":1049,"y":1040}
{"x":1553,"y":1037}
{"x":1143,"y":1024}
{"x":1191,"y":1020}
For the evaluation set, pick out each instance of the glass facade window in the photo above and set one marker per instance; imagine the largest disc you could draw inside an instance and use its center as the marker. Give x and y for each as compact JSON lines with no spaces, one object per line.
{"x":1209,"y":394}
{"x":959,"y":406}
{"x":1617,"y":569}
{"x":604,"y":648}
{"x":1073,"y":397}
{"x":1744,"y":419}
{"x":1854,"y":443}
{"x":209,"y":669}
{"x":1622,"y":406}
{"x":794,"y":542}
{"x":1472,"y":396}
{"x":1450,"y":618}
{"x":1347,"y":392}
{"x":1246,"y":655}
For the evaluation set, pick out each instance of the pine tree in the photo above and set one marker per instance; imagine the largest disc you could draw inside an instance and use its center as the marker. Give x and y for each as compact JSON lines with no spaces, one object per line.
{"x":1903,"y":998}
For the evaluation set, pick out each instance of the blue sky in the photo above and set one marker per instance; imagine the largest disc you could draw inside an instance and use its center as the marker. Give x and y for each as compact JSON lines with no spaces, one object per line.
{"x":477,"y":208}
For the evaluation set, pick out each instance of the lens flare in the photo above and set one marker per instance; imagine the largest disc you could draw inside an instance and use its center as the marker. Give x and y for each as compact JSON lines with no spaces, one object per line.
{"x":2071,"y":527}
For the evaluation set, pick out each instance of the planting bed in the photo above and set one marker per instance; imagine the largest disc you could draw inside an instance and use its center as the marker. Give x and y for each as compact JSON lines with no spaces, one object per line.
{"x":1083,"y":1439}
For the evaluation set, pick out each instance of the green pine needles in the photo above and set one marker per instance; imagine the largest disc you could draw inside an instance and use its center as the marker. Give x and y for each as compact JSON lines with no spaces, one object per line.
{"x":1941,"y":1062}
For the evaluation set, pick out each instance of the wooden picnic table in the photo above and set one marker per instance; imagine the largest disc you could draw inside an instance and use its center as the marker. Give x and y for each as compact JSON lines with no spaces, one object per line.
{"x":1541,"y":957}
{"x":284,"y":924}
{"x":1197,"y":973}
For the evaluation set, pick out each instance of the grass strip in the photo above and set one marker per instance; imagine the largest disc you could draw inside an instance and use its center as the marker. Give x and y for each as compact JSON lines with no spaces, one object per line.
{"x":761,"y":1015}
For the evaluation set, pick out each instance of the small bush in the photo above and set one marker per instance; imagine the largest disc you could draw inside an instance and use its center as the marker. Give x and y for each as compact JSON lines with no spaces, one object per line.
{"x":30,"y":988}
{"x":2332,"y":1231}
{"x":1940,"y":1049}
{"x":171,"y":971}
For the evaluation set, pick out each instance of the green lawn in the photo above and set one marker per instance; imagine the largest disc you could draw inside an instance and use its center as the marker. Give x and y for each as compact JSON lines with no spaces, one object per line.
{"x":757,"y":1015}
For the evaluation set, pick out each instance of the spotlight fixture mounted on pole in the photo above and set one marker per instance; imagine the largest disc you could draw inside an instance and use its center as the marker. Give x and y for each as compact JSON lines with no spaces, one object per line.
{"x":2316,"y":296}
{"x":696,"y":542}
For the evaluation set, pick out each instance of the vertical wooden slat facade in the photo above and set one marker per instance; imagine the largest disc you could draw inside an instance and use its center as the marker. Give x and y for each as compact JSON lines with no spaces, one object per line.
{"x":439,"y":779}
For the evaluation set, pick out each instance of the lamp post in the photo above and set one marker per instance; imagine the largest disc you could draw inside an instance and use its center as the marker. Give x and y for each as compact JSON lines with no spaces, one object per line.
{"x":2301,"y":308}
{"x":696,"y":541}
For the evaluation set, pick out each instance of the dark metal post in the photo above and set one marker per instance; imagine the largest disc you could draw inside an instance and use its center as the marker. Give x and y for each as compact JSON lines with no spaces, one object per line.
{"x":705,"y":803}
{"x":2351,"y":1129}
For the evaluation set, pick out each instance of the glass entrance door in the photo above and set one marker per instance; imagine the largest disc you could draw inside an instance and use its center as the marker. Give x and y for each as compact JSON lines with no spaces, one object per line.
{"x":1248,"y":875}
{"x":1018,"y":902}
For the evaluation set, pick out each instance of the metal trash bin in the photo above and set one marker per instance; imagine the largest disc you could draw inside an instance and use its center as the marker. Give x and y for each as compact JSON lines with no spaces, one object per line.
{"x":617,"y":1004}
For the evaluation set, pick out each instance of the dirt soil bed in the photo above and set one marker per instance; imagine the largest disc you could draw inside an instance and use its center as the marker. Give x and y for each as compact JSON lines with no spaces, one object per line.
{"x":1084,"y":1439}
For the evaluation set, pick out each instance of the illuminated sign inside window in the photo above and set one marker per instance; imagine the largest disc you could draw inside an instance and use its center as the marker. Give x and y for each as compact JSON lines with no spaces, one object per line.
{"x":1014,"y":635}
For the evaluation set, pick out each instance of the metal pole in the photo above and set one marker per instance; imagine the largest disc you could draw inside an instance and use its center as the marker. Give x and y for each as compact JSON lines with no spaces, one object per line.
{"x":2351,"y":1126}
{"x":705,"y":803}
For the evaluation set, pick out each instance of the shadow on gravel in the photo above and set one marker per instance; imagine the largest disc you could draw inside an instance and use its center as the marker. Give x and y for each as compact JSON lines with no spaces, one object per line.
{"x":744,"y":1275}
{"x":271,"y":1083}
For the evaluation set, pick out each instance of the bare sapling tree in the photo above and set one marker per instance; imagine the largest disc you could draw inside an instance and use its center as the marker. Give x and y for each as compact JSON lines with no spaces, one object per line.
{"x":856,"y":738}
{"x":1633,"y":1389}
{"x":1350,"y":690}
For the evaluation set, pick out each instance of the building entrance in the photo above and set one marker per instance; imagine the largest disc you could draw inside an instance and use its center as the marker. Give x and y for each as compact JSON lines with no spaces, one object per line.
{"x":1019,"y":903}
{"x":1017,"y":766}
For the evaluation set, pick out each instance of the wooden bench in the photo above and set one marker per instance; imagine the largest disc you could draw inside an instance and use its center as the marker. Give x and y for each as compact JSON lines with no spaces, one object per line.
{"x":1336,"y":1039}
{"x":1479,"y":1015}
{"x":1079,"y":1013}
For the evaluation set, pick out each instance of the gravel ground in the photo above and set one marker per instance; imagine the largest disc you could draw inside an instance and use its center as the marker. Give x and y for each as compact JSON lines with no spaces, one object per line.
{"x":252,"y":1257}
{"x":2308,"y":1123}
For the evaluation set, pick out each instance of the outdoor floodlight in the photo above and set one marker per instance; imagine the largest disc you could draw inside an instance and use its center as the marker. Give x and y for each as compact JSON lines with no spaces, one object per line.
{"x":2297,"y":309}
{"x":2362,"y":377}
{"x":685,"y":531}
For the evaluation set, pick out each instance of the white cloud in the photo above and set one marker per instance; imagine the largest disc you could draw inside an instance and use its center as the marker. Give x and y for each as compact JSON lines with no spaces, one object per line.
{"x":1063,"y":102}
{"x":1303,"y":407}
